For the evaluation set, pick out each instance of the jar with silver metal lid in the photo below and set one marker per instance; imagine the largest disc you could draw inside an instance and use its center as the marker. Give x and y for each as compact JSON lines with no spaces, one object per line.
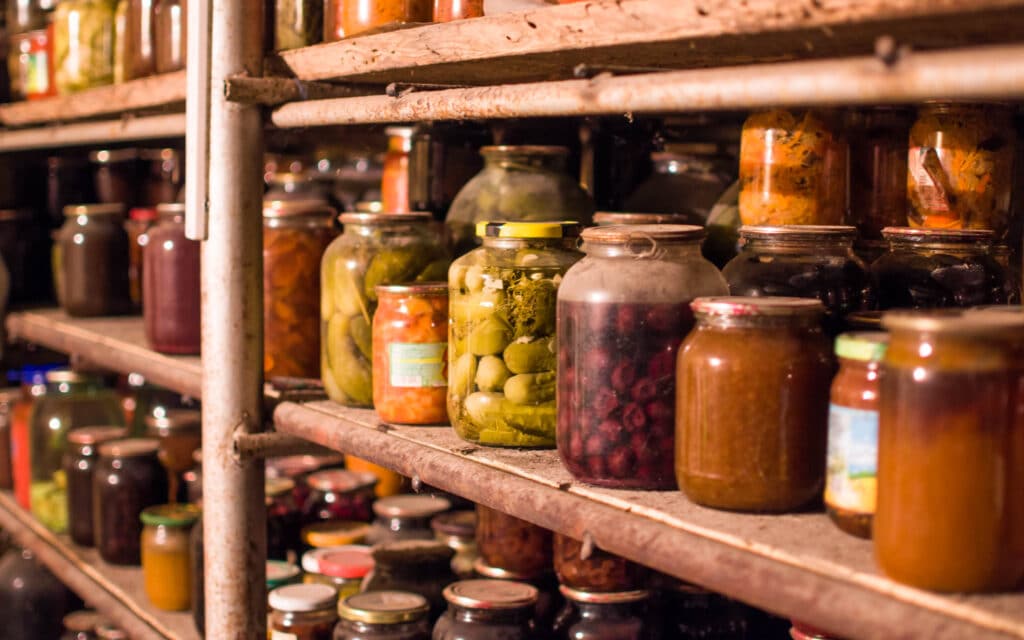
{"x":405,"y":517}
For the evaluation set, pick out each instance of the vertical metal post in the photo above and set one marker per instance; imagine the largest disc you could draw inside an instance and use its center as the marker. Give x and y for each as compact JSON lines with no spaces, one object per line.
{"x":232,"y":267}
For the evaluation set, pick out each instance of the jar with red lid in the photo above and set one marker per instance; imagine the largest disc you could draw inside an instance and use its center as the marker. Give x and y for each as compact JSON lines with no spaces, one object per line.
{"x":128,"y":478}
{"x":171,"y":287}
{"x":343,"y":568}
{"x":140,"y":220}
{"x":448,"y":10}
{"x":303,"y":612}
{"x":347,"y":18}
{"x":336,"y":494}
{"x":394,"y":186}
{"x":79,"y":465}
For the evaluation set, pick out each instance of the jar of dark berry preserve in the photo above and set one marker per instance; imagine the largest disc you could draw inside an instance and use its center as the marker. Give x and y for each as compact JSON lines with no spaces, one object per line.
{"x":487,"y":610}
{"x":405,"y":517}
{"x":93,"y":249}
{"x":170,"y":285}
{"x":79,"y":464}
{"x":604,"y":616}
{"x":417,"y":566}
{"x":128,"y":479}
{"x":283,"y":518}
{"x":336,"y":494}
{"x":383,"y":615}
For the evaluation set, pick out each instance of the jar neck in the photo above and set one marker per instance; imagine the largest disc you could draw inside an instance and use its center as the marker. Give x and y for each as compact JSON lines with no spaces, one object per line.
{"x":954,"y":352}
{"x":604,"y":611}
{"x":531,"y":243}
{"x":811,"y":244}
{"x":396,"y":227}
{"x":796,"y":322}
{"x":492,"y":616}
{"x":664,"y":250}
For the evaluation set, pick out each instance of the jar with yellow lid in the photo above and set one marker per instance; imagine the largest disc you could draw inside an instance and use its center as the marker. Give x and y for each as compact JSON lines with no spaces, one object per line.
{"x":166,"y":569}
{"x":333,"y":533}
{"x":383,"y":615}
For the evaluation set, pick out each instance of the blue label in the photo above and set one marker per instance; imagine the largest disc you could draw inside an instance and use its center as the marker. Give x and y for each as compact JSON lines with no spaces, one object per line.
{"x":852,"y":458}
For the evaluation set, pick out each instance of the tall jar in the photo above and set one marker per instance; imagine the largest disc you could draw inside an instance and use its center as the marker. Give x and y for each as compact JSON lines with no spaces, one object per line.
{"x":511,"y":544}
{"x":297,"y":23}
{"x":170,"y":285}
{"x":32,"y":600}
{"x":878,"y":168}
{"x":140,"y":221}
{"x":803,"y":262}
{"x":488,"y":609}
{"x":623,"y":310}
{"x":94,"y":260}
{"x":128,"y":479}
{"x":961,"y":166}
{"x":347,"y":18}
{"x":295,"y":235}
{"x":79,"y":465}
{"x":950,"y":437}
{"x":793,"y":168}
{"x":518,"y":184}
{"x":166,"y":568}
{"x":752,"y":404}
{"x":170,"y":26}
{"x":686,"y":180}
{"x":375,"y":249}
{"x":501,"y":345}
{"x":83,"y":43}
{"x":337,"y":494}
{"x":383,"y":615}
{"x":139,"y":41}
{"x":394,"y":184}
{"x":116,"y":175}
{"x":605,"y":616}
{"x":303,"y":612}
{"x":179,"y":432}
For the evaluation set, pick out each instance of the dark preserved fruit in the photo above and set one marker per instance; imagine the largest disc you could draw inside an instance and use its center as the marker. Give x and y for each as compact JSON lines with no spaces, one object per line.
{"x":128,"y":478}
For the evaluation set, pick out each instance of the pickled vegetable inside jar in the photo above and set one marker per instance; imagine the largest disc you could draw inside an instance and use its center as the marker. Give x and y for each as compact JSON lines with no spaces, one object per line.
{"x":83,"y":43}
{"x":502,"y":369}
{"x":166,"y":570}
{"x":951,"y":437}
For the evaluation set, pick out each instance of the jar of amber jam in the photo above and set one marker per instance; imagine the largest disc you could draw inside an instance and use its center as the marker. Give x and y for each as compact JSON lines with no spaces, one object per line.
{"x":951,"y":438}
{"x":506,"y":542}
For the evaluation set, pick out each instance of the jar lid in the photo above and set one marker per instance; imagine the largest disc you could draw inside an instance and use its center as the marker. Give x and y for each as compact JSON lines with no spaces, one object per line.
{"x":532,"y":149}
{"x":399,"y":132}
{"x":129,"y":448}
{"x":143,"y":214}
{"x":922,"y":234}
{"x":96,"y":435}
{"x":170,"y":515}
{"x":620,"y":597}
{"x":299,"y":465}
{"x":953,"y":321}
{"x":348,"y":562}
{"x":998,"y":308}
{"x":341,"y":481}
{"x":82,"y":621}
{"x":300,"y":598}
{"x":491,"y":594}
{"x":460,"y":524}
{"x":274,"y":487}
{"x":107,"y":156}
{"x":526,"y":230}
{"x":174,"y":421}
{"x":370,"y":206}
{"x":310,"y":560}
{"x":625,"y":217}
{"x":99,"y":209}
{"x":756,"y":306}
{"x":865,"y":320}
{"x":288,"y":208}
{"x":410,"y":506}
{"x":67,"y":376}
{"x":481,"y":568}
{"x":863,"y":346}
{"x":384,"y":607}
{"x":280,"y":572}
{"x":385,"y":218}
{"x":798,"y":231}
{"x":643,"y":234}
{"x":412,"y":552}
{"x":107,"y":631}
{"x":171,"y":209}
{"x":415,"y":288}
{"x":334,"y":533}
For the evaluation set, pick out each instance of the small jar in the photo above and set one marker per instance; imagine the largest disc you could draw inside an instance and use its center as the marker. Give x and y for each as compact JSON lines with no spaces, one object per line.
{"x":297,"y":23}
{"x":280,"y":573}
{"x":166,"y":570}
{"x":140,"y":221}
{"x":81,"y":625}
{"x":336,"y":494}
{"x":139,"y":43}
{"x":457,"y":529}
{"x":347,"y":18}
{"x":180,"y":433}
{"x":283,"y":518}
{"x":960,"y":170}
{"x":506,"y":542}
{"x":170,"y":33}
{"x":333,"y":533}
{"x":127,"y":480}
{"x":752,"y":404}
{"x":950,"y":435}
{"x":485,"y":609}
{"x":30,"y":64}
{"x":878,"y":168}
{"x":343,"y":568}
{"x":803,"y":262}
{"x":303,"y":612}
{"x":850,"y":483}
{"x":171,"y":285}
{"x":938,"y":268}
{"x":405,"y":517}
{"x":623,"y":311}
{"x":383,"y":615}
{"x":394,"y":185}
{"x":79,"y":464}
{"x":604,"y":616}
{"x":94,"y":260}
{"x":83,"y":44}
{"x":598,"y":572}
{"x":449,"y":10}
{"x":410,"y":347}
{"x":417,"y":566}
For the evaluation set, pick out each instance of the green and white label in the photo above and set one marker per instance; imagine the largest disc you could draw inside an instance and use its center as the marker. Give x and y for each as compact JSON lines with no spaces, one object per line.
{"x":417,"y":364}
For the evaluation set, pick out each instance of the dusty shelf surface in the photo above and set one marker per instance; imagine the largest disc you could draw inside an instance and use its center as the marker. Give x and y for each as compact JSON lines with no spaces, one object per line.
{"x":94,"y":132}
{"x":793,"y":565}
{"x":114,"y":591}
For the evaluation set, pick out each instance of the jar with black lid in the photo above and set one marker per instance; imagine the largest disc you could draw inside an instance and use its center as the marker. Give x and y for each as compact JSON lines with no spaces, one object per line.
{"x":604,"y":616}
{"x":128,"y":479}
{"x":79,"y":464}
{"x":93,"y":248}
{"x":487,"y":610}
{"x":405,"y":517}
{"x":383,"y":615}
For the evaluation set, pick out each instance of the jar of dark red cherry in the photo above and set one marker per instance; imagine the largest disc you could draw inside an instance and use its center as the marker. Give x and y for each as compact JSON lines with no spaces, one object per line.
{"x":336,"y":494}
{"x":170,"y":284}
{"x":622,"y":312}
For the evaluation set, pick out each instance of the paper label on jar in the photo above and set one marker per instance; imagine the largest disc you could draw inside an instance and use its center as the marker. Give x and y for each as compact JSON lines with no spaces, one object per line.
{"x":418,"y":364}
{"x":928,"y":193}
{"x":282,"y":635}
{"x":852,"y":458}
{"x":37,"y":73}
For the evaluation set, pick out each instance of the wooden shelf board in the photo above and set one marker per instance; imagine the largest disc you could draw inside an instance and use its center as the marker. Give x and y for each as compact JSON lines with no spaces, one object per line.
{"x":794,"y":565}
{"x":114,"y":591}
{"x":127,"y":129}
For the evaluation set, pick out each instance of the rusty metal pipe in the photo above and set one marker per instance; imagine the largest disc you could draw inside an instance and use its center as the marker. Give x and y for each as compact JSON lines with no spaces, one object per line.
{"x":258,"y":446}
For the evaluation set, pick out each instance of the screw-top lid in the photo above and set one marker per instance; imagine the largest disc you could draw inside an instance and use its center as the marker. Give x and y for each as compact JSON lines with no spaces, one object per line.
{"x":334,"y":533}
{"x":280,"y":572}
{"x":863,"y":346}
{"x":410,"y":506}
{"x":620,"y":597}
{"x":288,"y":208}
{"x":630,"y":218}
{"x":415,"y":288}
{"x":349,"y":562}
{"x":418,"y":217}
{"x":143,"y":214}
{"x":738,"y":306}
{"x":953,"y":321}
{"x":274,"y":487}
{"x":66,"y":376}
{"x":384,"y":607}
{"x":643,"y":233}
{"x":798,"y":231}
{"x":528,"y":230}
{"x":82,"y":621}
{"x":170,"y":515}
{"x":491,"y":594}
{"x":530,"y":149}
{"x":104,"y":209}
{"x":129,"y":448}
{"x":944,"y":236}
{"x":298,"y":598}
{"x":341,"y":481}
{"x":460,"y":524}
{"x":482,"y":569}
{"x":95,"y":435}
{"x":174,"y":421}
{"x":310,"y":561}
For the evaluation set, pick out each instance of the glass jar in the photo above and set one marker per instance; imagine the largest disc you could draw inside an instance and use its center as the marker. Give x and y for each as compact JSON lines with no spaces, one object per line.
{"x":7,"y":401}
{"x":140,"y":221}
{"x":549,"y":599}
{"x":72,"y":400}
{"x":284,"y":520}
{"x":950,"y":435}
{"x":163,"y":176}
{"x":142,"y":400}
{"x":121,"y":44}
{"x":303,"y":612}
{"x":193,"y":478}
{"x":78,"y":465}
{"x":81,"y":625}
{"x":166,"y":569}
{"x":336,"y":494}
{"x":878,"y":168}
{"x":410,"y":344}
{"x":94,"y":260}
{"x":32,"y":600}
{"x":623,"y":310}
{"x":83,"y":44}
{"x":692,"y":613}
{"x":449,"y":10}
{"x":297,"y":23}
{"x":938,"y":268}
{"x":803,"y":262}
{"x":33,"y":386}
{"x":171,"y":285}
{"x":457,"y":529}
{"x":347,"y":18}
{"x":961,"y":166}
{"x":180,"y":434}
{"x":394,"y":184}
{"x":506,"y":542}
{"x":295,"y":235}
{"x":502,"y":369}
{"x":280,"y":573}
{"x":793,"y":168}
{"x":139,"y":42}
{"x":444,"y":157}
{"x":389,"y":483}
{"x":405,"y":517}
{"x":375,"y":249}
{"x":686,"y":181}
{"x":24,"y":246}
{"x":604,"y":616}
{"x":383,"y":615}
{"x":196,"y":565}
{"x":116,"y":175}
{"x":333,"y":533}
{"x":518,"y":184}
{"x":26,"y":15}
{"x":852,"y":463}
{"x":343,"y":567}
{"x":170,"y":33}
{"x":609,"y":218}
{"x":416,"y":566}
{"x":108,"y":631}
{"x":30,"y":65}
{"x":128,"y":478}
{"x":595,"y":571}
{"x":752,"y":404}
{"x":487,"y":609}
{"x":1011,"y":265}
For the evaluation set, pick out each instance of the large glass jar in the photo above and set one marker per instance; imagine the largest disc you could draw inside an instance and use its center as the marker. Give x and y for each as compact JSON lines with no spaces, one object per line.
{"x":140,"y":221}
{"x":457,"y":529}
{"x":383,"y":615}
{"x":803,"y":262}
{"x":79,"y":464}
{"x":342,"y":567}
{"x":139,"y":42}
{"x":32,"y":600}
{"x":166,"y":569}
{"x":961,"y":166}
{"x":297,"y":23}
{"x":686,"y":180}
{"x":852,"y":464}
{"x":162,"y":176}
{"x":170,"y":285}
{"x":501,"y":346}
{"x":128,"y":478}
{"x":488,"y":609}
{"x":549,"y":600}
{"x":506,"y":542}
{"x":336,"y":494}
{"x":303,"y":612}
{"x":81,"y":625}
{"x":394,"y":184}
{"x":623,"y":310}
{"x":605,"y":616}
{"x":935,"y":268}
{"x":752,"y":404}
{"x":405,"y":517}
{"x":376,"y":248}
{"x":295,"y":235}
{"x":347,"y":18}
{"x":26,"y":15}
{"x":878,"y":168}
{"x":518,"y":184}
{"x":793,"y":168}
{"x":170,"y":26}
{"x":595,"y":571}
{"x":94,"y":260}
{"x":180,"y":433}
{"x":30,"y":65}
{"x":83,"y":43}
{"x":951,"y":434}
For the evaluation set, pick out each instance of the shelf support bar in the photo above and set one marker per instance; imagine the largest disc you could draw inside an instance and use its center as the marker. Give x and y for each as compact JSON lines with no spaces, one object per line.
{"x":257,"y":446}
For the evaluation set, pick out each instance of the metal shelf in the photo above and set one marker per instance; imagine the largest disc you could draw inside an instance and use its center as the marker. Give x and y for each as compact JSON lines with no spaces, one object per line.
{"x":794,"y":565}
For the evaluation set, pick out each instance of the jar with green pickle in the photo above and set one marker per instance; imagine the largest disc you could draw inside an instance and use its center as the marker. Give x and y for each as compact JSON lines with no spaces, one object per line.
{"x":83,"y":44}
{"x":375,"y":249}
{"x":501,"y":342}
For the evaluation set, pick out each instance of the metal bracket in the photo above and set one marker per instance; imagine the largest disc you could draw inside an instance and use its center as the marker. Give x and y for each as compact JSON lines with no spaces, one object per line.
{"x":273,"y":91}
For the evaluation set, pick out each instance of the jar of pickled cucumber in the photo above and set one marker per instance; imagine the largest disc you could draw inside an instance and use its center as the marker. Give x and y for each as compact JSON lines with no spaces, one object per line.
{"x":83,"y":44}
{"x":375,"y":249}
{"x":501,"y":343}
